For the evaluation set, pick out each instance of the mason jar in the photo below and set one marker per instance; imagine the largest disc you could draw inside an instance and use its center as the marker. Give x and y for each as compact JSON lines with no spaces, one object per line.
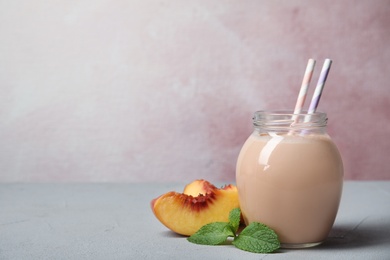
{"x":290,"y":176}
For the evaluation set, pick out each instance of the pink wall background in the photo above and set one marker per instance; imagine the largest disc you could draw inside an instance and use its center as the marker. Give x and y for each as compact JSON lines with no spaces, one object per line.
{"x":165,"y":90}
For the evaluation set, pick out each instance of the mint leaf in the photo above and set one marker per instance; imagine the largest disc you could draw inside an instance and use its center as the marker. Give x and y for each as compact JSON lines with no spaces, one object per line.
{"x":212,"y":234}
{"x":234,"y":219}
{"x":257,"y":238}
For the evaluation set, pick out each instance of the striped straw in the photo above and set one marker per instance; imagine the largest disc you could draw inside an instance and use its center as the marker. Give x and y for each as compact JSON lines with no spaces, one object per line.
{"x":320,"y":86}
{"x":305,"y":85}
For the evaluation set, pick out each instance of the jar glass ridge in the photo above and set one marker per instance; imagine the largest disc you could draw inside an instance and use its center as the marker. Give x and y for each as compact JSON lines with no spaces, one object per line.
{"x":284,"y":120}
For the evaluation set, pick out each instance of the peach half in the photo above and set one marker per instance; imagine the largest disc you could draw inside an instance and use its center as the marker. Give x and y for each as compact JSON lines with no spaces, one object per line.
{"x":200,"y":204}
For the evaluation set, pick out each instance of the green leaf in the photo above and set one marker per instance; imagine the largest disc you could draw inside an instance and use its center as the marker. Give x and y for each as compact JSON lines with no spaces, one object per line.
{"x":212,"y":234}
{"x":234,"y":219}
{"x":257,"y":238}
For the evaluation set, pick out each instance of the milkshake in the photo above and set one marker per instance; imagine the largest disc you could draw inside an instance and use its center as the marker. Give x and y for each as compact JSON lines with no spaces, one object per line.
{"x":289,"y":177}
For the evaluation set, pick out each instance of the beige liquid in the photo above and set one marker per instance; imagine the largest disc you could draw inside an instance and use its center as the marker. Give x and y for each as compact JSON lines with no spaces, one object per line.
{"x":291,"y":183}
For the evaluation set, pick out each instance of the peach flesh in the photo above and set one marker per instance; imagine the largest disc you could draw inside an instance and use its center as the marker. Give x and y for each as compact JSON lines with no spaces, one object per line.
{"x":185,"y":214}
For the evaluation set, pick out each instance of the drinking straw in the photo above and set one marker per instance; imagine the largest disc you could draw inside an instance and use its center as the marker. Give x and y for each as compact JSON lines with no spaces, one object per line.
{"x":320,"y":86}
{"x":305,"y":85}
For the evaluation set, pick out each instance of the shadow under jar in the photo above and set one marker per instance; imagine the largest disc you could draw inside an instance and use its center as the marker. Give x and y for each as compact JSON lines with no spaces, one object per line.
{"x":290,"y":176}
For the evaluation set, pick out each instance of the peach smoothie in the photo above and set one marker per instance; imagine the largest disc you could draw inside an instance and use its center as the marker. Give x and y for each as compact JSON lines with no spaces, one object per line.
{"x":292,"y":183}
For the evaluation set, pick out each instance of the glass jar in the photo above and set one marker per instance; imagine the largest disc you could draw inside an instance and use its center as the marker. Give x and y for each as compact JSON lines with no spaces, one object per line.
{"x":289,"y":176}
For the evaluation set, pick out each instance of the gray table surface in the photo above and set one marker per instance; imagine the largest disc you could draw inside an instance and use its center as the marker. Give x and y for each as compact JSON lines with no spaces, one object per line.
{"x":115,"y":221}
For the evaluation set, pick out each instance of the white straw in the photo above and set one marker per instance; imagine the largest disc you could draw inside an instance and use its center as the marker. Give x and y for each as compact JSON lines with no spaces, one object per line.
{"x":305,"y":86}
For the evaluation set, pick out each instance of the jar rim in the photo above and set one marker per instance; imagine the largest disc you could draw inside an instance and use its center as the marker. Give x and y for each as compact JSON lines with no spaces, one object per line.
{"x":286,"y":112}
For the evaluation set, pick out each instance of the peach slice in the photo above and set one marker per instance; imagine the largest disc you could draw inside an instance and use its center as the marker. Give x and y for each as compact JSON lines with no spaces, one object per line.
{"x":185,"y":214}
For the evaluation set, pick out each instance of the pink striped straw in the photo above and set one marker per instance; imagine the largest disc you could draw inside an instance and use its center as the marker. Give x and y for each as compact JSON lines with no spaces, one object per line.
{"x":320,"y":86}
{"x":305,"y":85}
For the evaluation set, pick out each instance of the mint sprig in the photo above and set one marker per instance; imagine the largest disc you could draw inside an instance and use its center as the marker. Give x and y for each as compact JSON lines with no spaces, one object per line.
{"x":256,"y":237}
